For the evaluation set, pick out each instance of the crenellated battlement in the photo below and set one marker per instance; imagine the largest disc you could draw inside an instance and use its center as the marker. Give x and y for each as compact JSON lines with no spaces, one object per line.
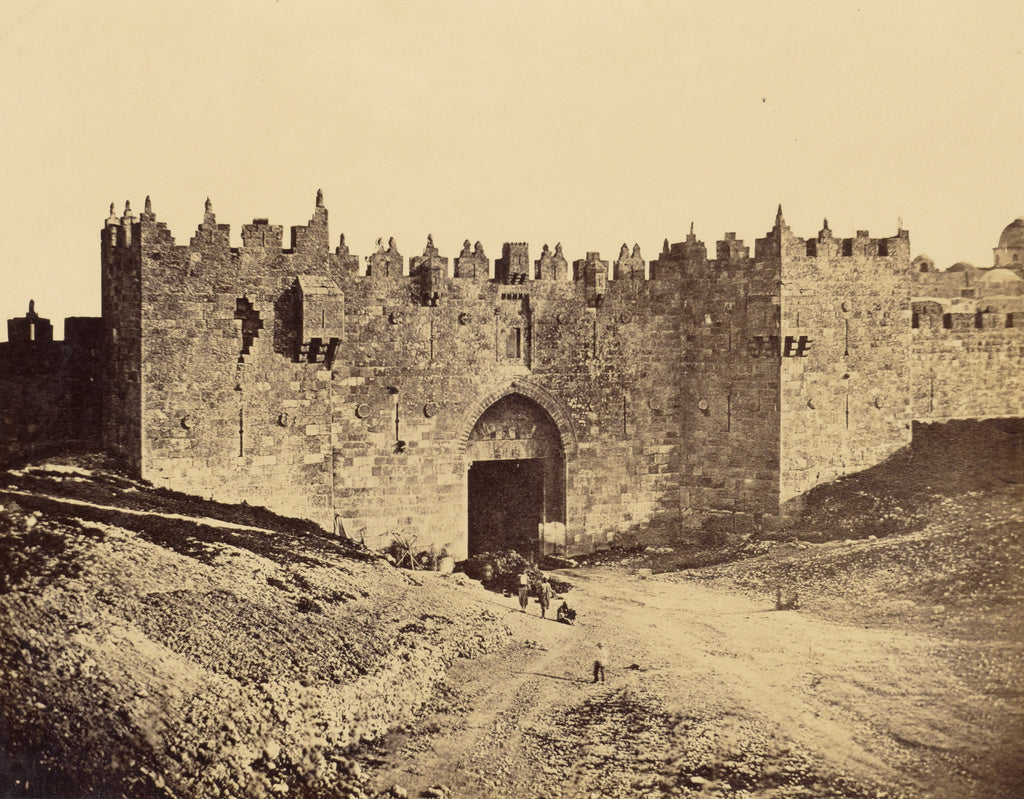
{"x":552,"y":265}
{"x":312,"y":237}
{"x":687,"y":259}
{"x":592,"y":272}
{"x":209,"y":235}
{"x":958,"y":316}
{"x":262,"y":235}
{"x":706,"y":384}
{"x":30,"y":330}
{"x":780,"y":242}
{"x":967,"y":356}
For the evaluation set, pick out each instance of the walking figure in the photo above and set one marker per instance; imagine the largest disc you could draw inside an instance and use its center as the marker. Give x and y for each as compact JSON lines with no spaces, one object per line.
{"x":524,"y":591}
{"x":600,"y":659}
{"x":544,"y":597}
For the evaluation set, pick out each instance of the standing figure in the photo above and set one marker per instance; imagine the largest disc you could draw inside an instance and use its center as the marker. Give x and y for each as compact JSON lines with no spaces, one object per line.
{"x":524,"y":590}
{"x":544,"y":597}
{"x":600,"y":660}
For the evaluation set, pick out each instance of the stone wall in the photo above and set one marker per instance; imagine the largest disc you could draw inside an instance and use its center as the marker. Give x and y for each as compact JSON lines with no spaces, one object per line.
{"x":704,"y":395}
{"x":727,"y":409}
{"x":226,"y":410}
{"x":967,"y":344}
{"x":967,"y":364}
{"x":49,"y":390}
{"x":845,"y":336}
{"x":121,"y":280}
{"x":288,"y":378}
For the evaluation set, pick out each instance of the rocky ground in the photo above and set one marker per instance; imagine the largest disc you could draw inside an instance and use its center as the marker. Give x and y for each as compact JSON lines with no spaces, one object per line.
{"x":712,"y":692}
{"x":155,"y":645}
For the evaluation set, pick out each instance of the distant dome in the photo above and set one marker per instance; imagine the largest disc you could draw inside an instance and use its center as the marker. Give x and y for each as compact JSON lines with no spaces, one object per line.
{"x":923,"y":263}
{"x":962,"y":266}
{"x":999,"y":275}
{"x":1013,"y":235}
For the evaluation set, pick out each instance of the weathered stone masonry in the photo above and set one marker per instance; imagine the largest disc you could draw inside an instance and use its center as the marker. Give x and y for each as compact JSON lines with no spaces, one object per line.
{"x":551,"y":407}
{"x":50,"y":391}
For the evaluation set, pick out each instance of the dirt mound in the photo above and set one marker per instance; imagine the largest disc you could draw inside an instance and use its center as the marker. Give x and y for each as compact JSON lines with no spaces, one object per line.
{"x":934,"y":536}
{"x":184,"y":523}
{"x":948,"y":460}
{"x":158,"y":645}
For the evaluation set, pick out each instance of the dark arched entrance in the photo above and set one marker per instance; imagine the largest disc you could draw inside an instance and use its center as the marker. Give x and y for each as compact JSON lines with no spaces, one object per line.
{"x":516,"y":478}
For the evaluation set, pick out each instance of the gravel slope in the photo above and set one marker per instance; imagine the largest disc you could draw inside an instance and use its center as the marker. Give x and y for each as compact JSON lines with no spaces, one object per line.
{"x":151,"y":655}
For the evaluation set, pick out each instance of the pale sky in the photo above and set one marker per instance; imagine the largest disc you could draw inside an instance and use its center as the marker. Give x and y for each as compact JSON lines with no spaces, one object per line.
{"x":586,"y":123}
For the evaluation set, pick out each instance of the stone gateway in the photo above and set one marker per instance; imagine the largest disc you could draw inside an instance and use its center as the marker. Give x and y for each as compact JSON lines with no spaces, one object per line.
{"x":538,"y":405}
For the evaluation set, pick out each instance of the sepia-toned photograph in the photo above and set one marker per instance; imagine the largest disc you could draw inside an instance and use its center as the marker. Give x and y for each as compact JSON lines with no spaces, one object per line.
{"x":522,"y":400}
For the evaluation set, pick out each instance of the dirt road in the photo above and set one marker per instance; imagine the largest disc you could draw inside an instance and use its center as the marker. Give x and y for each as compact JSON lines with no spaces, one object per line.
{"x":707,"y":692}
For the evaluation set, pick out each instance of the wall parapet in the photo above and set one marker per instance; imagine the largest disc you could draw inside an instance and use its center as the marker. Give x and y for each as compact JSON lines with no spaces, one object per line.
{"x":732,"y":256}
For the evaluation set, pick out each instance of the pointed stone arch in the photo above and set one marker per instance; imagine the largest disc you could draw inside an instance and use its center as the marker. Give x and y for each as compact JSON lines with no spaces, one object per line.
{"x":531,"y":391}
{"x":516,"y":442}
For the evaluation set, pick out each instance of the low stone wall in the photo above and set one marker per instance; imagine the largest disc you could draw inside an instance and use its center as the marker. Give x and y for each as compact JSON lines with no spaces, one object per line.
{"x":49,"y":397}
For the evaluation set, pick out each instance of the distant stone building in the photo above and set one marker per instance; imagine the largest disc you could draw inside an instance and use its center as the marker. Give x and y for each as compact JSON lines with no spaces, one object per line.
{"x":967,"y":322}
{"x":533,"y":404}
{"x":1010,"y":250}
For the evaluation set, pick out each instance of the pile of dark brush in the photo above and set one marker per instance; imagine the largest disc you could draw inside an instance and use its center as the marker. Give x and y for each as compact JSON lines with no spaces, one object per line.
{"x":499,"y":572}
